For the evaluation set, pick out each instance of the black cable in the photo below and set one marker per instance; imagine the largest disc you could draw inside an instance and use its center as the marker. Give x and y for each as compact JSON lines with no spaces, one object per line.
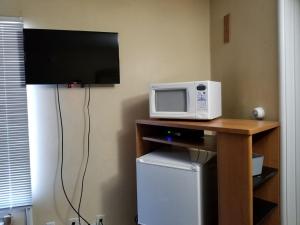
{"x":88,"y":152}
{"x":62,"y":158}
{"x":136,"y":219}
{"x":197,"y":160}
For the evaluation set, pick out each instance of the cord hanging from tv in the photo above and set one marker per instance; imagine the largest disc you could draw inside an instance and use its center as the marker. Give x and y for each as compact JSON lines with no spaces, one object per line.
{"x":71,"y":57}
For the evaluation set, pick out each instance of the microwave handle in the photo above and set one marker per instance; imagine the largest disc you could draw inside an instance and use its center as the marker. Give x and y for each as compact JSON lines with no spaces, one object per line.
{"x":152,"y":101}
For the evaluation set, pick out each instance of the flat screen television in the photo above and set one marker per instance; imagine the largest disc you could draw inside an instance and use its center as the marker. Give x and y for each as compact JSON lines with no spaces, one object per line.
{"x":66,"y":57}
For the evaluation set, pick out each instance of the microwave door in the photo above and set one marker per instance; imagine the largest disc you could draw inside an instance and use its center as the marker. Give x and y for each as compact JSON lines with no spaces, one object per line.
{"x":172,"y":103}
{"x":171,"y":100}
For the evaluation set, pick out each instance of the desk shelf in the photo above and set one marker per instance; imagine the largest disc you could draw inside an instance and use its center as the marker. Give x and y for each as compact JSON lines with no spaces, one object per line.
{"x":267,"y":174}
{"x":261,"y":210}
{"x":207,"y":142}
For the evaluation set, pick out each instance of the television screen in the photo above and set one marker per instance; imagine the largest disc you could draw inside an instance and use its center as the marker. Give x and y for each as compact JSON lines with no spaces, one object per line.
{"x":65,"y":57}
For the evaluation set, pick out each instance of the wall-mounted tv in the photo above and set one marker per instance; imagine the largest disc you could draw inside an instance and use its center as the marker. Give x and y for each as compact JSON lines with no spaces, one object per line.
{"x":66,"y":57}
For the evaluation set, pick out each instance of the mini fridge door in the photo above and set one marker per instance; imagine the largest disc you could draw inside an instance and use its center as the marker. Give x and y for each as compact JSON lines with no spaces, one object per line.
{"x":168,"y":191}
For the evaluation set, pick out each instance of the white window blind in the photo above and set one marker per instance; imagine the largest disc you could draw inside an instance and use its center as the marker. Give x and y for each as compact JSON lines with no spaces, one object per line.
{"x":15,"y":181}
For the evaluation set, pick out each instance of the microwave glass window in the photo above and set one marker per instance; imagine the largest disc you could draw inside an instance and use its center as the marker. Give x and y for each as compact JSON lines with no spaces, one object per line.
{"x":171,"y":100}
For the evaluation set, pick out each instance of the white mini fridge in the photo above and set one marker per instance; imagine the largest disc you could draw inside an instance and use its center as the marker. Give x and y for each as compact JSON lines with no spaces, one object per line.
{"x":177,"y":188}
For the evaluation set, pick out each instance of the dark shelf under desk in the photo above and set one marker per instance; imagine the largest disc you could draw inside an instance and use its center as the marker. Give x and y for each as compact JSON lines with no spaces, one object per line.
{"x":267,"y":173}
{"x":261,"y":209}
{"x":207,"y":142}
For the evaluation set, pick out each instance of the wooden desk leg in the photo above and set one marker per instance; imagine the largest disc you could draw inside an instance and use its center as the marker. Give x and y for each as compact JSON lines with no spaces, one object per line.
{"x":235,"y":179}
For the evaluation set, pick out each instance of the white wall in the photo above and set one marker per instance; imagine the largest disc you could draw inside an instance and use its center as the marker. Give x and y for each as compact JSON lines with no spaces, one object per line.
{"x":297,"y":95}
{"x":289,"y":22}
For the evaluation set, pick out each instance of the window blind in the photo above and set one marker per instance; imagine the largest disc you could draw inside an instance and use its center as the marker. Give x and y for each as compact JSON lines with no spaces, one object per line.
{"x":15,"y":180}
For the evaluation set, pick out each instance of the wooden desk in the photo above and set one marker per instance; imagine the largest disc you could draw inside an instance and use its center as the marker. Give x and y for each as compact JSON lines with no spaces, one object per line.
{"x":235,"y":141}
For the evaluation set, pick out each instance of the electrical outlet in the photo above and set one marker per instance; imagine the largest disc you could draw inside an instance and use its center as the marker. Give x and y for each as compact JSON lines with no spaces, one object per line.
{"x":73,"y":221}
{"x":99,"y":219}
{"x":50,"y":223}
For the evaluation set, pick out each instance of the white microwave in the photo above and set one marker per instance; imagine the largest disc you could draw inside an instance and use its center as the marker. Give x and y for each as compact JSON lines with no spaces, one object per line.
{"x":200,"y":100}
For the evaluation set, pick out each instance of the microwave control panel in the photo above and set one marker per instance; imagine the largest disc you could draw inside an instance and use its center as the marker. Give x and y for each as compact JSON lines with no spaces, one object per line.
{"x":202,"y":98}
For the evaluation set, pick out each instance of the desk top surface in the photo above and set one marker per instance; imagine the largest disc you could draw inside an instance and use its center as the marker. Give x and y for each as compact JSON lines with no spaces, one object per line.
{"x":237,"y":126}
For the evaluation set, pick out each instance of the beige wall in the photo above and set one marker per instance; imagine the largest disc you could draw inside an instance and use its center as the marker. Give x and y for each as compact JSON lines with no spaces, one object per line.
{"x":247,"y":66}
{"x":159,"y":41}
